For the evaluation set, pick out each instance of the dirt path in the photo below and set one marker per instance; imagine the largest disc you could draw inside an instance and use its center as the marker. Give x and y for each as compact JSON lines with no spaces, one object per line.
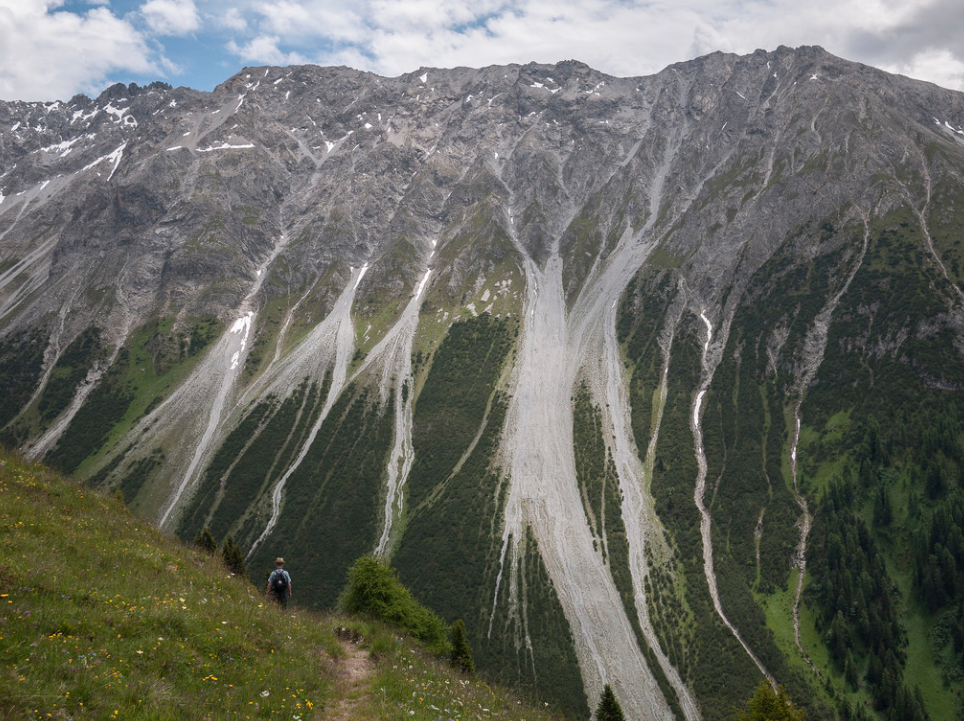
{"x":353,"y":678}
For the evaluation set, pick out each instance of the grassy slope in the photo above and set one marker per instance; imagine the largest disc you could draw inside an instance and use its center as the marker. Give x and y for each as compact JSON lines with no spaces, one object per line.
{"x":102,"y":616}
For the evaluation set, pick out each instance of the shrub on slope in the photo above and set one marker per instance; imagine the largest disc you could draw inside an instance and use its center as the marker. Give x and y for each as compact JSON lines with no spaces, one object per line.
{"x":375,"y":591}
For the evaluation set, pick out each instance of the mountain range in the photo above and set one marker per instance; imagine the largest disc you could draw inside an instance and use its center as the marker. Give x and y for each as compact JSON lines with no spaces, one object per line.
{"x":655,"y":382}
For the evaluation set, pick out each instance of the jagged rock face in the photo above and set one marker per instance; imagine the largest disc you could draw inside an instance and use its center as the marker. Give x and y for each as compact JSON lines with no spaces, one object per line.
{"x":580,"y":355}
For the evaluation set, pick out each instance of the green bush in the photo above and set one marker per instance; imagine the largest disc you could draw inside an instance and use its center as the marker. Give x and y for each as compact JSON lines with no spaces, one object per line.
{"x":205,"y":540}
{"x":768,"y":704}
{"x":374,"y":591}
{"x":233,"y":557}
{"x":461,"y":657}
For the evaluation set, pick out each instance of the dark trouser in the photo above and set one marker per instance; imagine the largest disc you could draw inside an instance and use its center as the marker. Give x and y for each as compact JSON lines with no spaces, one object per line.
{"x":281,"y":598}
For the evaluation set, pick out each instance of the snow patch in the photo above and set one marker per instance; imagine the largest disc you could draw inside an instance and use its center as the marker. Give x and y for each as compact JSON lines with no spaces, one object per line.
{"x":115,"y":156}
{"x":226,"y":146}
{"x":361,"y":274}
{"x":80,"y":115}
{"x":62,"y":148}
{"x":709,"y":331}
{"x":176,"y":147}
{"x":422,"y":283}
{"x":423,"y":77}
{"x":696,"y":406}
{"x":118,"y":113}
{"x":959,"y":131}
{"x":243,"y":326}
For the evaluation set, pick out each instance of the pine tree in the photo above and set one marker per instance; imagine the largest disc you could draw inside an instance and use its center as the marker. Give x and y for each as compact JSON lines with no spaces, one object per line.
{"x":850,"y":671}
{"x":204,"y":540}
{"x":232,"y":557}
{"x":461,"y":652}
{"x":768,"y":704}
{"x":608,"y":708}
{"x":883,"y":510}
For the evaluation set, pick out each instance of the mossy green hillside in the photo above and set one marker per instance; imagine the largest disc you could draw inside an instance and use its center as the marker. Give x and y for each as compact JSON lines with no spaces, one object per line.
{"x":893,"y":454}
{"x":885,"y":463}
{"x":117,"y":620}
{"x":380,"y":300}
{"x":114,"y":619}
{"x":450,"y":411}
{"x":146,"y":369}
{"x":945,"y":221}
{"x":746,"y":435}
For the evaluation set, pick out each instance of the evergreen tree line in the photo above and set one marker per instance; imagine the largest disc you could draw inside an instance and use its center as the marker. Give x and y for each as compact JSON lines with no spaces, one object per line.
{"x":919,"y":453}
{"x":858,"y":605}
{"x":939,"y":555}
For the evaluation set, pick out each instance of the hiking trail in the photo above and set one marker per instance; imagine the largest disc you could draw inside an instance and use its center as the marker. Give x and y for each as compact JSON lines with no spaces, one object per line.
{"x":352,"y":679}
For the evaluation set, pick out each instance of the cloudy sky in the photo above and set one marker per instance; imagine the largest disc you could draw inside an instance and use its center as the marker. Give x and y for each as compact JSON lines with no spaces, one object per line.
{"x":52,"y":49}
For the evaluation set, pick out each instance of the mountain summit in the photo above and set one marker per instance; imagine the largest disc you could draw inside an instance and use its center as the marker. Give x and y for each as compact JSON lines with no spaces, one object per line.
{"x":655,"y":381}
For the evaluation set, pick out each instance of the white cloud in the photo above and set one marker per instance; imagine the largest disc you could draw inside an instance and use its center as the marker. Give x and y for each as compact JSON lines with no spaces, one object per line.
{"x":937,"y":66}
{"x":623,"y":37}
{"x":171,"y":17}
{"x":264,"y":50}
{"x":233,"y":20}
{"x":300,"y":20}
{"x":47,"y":53}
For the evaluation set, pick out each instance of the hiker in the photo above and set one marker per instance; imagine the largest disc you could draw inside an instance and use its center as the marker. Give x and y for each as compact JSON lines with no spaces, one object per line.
{"x":279,"y":583}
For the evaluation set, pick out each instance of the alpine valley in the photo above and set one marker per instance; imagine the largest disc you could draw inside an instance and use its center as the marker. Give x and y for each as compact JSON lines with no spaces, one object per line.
{"x":655,"y":382}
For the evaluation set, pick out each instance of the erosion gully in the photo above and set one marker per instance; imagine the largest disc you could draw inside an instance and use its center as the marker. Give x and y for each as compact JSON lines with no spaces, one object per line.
{"x":312,"y":358}
{"x":814,"y":348}
{"x":556,"y":348}
{"x":709,"y":362}
{"x":210,"y":387}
